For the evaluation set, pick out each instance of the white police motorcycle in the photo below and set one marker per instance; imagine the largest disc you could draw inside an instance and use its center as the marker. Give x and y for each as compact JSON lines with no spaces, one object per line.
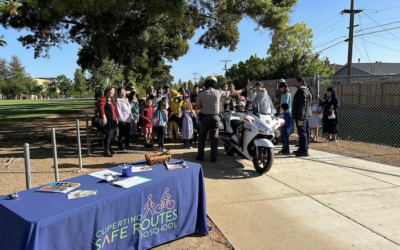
{"x":249,"y":134}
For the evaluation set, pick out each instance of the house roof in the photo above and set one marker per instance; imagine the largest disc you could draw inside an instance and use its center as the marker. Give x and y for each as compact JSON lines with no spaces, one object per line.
{"x":335,"y":66}
{"x":377,"y":68}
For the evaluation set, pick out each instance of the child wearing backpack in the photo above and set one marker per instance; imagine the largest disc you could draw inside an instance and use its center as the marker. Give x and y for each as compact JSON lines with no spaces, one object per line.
{"x":285,"y":130}
{"x":160,"y":119}
{"x":187,"y":125}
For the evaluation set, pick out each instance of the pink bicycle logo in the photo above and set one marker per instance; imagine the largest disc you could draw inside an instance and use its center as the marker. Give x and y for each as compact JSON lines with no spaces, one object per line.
{"x":165,"y":202}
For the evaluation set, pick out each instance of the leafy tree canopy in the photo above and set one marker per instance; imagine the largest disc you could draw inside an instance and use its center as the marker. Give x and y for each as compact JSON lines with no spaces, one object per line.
{"x":8,"y":7}
{"x":290,"y":54}
{"x":142,"y":34}
{"x":190,"y":85}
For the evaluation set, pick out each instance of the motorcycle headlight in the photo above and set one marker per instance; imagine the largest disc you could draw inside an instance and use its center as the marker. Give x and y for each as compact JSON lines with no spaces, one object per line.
{"x":261,"y":127}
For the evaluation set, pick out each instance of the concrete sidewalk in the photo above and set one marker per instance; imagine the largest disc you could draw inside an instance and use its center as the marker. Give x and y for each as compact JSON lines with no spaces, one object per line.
{"x":324,"y":201}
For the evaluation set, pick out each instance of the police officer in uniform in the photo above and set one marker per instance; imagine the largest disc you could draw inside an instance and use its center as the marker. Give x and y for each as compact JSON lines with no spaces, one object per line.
{"x":209,"y":101}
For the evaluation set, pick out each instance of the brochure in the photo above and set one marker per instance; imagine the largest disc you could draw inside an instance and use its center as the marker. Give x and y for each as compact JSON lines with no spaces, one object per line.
{"x":131,"y":182}
{"x":102,"y":173}
{"x":59,"y":187}
{"x":81,"y":193}
{"x":176,"y":165}
{"x":139,"y":167}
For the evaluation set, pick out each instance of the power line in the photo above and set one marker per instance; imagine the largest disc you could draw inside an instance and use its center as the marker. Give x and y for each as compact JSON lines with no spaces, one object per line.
{"x":380,"y":45}
{"x":329,"y":19}
{"x":330,"y":46}
{"x":364,"y":45}
{"x":380,"y":25}
{"x":305,"y":5}
{"x":373,"y":32}
{"x":316,"y":10}
{"x":360,"y":52}
{"x":377,"y":26}
{"x":380,"y":10}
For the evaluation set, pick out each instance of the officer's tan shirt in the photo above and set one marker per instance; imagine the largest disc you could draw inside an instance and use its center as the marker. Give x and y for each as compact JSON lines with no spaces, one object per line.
{"x":209,"y":100}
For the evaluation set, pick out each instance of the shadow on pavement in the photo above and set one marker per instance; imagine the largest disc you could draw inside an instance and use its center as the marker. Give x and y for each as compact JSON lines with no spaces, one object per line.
{"x":226,"y":167}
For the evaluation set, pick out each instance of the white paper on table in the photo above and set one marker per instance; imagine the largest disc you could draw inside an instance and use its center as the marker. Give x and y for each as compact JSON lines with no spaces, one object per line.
{"x":100,"y":174}
{"x":130,"y":182}
{"x":140,"y":168}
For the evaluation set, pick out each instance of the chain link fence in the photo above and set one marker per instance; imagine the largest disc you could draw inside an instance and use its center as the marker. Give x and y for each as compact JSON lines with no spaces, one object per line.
{"x":369,"y":108}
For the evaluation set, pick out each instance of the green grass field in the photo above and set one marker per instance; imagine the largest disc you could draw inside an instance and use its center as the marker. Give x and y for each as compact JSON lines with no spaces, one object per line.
{"x":21,"y":111}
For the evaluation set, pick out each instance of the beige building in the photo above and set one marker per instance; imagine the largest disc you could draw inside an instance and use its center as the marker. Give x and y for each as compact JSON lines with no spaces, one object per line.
{"x":44,"y":81}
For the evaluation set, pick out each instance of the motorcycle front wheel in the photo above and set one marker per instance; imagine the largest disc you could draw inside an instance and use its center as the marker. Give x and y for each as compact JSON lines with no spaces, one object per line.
{"x":229,"y":150}
{"x":264,"y":160}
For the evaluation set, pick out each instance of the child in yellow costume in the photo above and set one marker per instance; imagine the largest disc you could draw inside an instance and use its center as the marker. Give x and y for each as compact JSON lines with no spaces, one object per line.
{"x":176,"y":113}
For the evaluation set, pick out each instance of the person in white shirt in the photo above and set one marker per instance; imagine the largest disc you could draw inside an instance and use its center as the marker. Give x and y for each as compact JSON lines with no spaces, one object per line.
{"x":261,"y":97}
{"x":124,"y":116}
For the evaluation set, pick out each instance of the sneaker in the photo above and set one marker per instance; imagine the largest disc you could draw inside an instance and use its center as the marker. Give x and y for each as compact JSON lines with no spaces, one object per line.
{"x":327,"y":140}
{"x":185,"y":147}
{"x":296,"y":151}
{"x":213,"y":160}
{"x":161,"y":150}
{"x":284,"y":152}
{"x":335,"y":141}
{"x":302,"y":154}
{"x":191,"y":146}
{"x":164,"y":150}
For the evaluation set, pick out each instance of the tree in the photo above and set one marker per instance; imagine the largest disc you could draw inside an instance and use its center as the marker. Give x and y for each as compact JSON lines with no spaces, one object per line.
{"x":79,"y":81}
{"x":63,"y":84}
{"x":290,"y":54}
{"x":8,"y":7}
{"x":109,"y":73}
{"x":51,"y":89}
{"x":32,"y":87}
{"x":180,"y":83}
{"x":190,"y":85}
{"x":15,"y":65}
{"x":17,"y":84}
{"x":4,"y":69}
{"x":143,"y":34}
{"x":176,"y":86}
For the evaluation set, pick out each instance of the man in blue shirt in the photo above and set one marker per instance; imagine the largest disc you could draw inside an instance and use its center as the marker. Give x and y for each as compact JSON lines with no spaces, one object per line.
{"x":187,"y":91}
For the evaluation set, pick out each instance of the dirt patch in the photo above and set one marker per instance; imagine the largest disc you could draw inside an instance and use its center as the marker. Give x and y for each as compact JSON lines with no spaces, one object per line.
{"x":366,"y":151}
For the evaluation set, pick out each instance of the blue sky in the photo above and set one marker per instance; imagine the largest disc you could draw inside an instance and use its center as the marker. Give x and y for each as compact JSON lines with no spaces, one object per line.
{"x":323,"y":16}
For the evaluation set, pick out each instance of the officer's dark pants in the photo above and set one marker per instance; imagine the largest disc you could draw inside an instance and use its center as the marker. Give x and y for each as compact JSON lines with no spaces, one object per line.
{"x":209,"y":123}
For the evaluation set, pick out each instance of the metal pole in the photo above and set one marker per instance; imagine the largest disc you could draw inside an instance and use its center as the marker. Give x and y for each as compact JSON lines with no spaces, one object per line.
{"x":87,"y":135}
{"x":53,"y":140}
{"x":27,"y":166}
{"x":79,"y":144}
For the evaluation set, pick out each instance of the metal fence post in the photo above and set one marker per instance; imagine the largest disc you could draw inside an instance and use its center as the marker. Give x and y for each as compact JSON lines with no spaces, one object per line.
{"x":87,"y":135}
{"x":79,"y":144}
{"x":318,"y":80}
{"x":27,"y":165}
{"x":53,"y":140}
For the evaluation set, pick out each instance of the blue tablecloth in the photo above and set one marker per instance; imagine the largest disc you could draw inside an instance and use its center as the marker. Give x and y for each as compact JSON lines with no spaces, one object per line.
{"x":115,"y":218}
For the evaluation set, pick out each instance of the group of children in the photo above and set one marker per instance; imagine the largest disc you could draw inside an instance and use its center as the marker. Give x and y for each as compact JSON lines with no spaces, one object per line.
{"x":157,"y":122}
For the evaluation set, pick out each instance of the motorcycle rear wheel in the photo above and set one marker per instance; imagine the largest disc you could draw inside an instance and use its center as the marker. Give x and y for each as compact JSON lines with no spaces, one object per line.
{"x":263,"y":162}
{"x":229,"y":150}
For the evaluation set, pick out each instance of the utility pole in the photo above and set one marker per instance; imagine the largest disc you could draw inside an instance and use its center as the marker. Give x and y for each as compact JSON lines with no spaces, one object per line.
{"x":225,"y":61}
{"x":194,"y":78}
{"x":352,"y":11}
